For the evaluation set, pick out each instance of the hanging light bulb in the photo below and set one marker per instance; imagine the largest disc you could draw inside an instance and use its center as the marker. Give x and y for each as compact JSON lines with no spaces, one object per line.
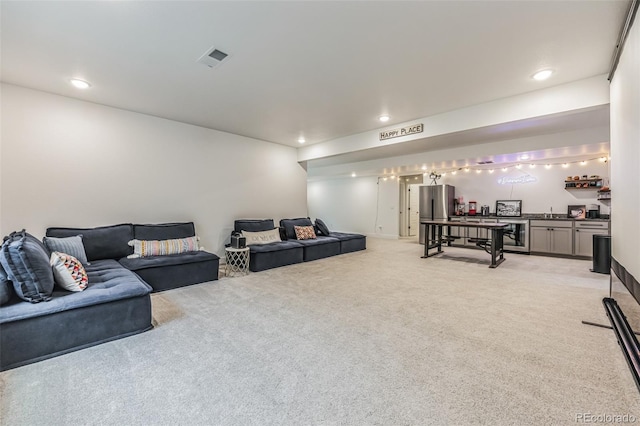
{"x":478,"y":171}
{"x":504,"y":169}
{"x":466,"y":169}
{"x":565,"y":165}
{"x":444,"y":173}
{"x":384,"y":179}
{"x":518,"y":166}
{"x":583,"y":163}
{"x":532,"y":166}
{"x":454,"y":172}
{"x":491,"y":170}
{"x":548,"y":166}
{"x":603,"y":159}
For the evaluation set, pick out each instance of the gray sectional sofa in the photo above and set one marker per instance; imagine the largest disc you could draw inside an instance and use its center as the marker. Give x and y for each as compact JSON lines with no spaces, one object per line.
{"x":116,"y":302}
{"x":291,"y":250}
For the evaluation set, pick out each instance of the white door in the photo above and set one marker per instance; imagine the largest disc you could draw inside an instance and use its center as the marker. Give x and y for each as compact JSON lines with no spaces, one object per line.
{"x":414,"y":209}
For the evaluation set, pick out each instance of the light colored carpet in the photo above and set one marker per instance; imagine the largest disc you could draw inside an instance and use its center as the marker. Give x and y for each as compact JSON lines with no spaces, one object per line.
{"x":374,"y":337}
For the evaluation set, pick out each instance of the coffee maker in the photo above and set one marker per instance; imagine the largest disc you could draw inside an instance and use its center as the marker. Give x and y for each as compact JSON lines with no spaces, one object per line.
{"x":484,"y":210}
{"x":593,"y":212}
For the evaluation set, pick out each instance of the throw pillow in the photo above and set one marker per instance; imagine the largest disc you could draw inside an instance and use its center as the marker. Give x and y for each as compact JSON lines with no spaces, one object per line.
{"x":262,"y":237}
{"x":6,"y":287}
{"x":69,"y":245}
{"x":322,"y":228}
{"x":68,"y":272}
{"x":305,"y":232}
{"x":26,"y":262}
{"x":143,"y":248}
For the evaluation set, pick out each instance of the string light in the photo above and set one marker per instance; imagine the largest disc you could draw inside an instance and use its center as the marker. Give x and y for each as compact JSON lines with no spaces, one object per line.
{"x":518,"y":166}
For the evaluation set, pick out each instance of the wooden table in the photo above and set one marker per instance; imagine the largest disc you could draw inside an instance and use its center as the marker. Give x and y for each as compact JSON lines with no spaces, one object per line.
{"x":434,"y":237}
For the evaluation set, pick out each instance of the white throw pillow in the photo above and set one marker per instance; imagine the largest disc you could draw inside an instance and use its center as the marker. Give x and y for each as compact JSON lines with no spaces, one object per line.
{"x":262,"y":237}
{"x":68,"y":272}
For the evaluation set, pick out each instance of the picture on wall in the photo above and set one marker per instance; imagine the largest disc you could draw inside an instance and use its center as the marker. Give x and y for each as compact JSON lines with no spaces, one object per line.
{"x":509,"y":208}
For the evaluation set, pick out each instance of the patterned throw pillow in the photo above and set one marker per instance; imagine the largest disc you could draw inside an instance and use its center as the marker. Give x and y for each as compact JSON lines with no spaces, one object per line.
{"x":262,"y":237}
{"x":68,"y":272}
{"x":305,"y":232}
{"x":142,"y":248}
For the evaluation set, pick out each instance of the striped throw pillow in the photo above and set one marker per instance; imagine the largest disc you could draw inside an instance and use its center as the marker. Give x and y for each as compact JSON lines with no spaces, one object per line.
{"x":142,"y":248}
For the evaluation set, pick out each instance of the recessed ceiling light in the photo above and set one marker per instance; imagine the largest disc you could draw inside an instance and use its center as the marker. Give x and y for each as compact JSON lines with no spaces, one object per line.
{"x":384,"y":118}
{"x":542,"y":75}
{"x":79,"y":84}
{"x":301,"y":140}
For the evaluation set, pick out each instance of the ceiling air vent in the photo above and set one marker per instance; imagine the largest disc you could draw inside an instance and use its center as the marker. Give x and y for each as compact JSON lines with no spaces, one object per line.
{"x":213,"y":57}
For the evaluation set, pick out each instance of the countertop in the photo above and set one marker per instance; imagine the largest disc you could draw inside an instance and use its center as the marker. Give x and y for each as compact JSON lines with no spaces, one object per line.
{"x":536,"y":216}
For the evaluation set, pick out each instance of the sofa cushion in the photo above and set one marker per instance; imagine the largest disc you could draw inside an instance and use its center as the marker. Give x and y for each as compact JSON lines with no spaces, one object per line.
{"x":68,"y":272}
{"x":104,"y":242}
{"x":6,"y":287}
{"x":253,"y":225}
{"x":69,"y":245}
{"x":262,"y":237}
{"x":108,"y":281}
{"x":26,"y":262}
{"x":271,"y":247}
{"x":137,"y":264}
{"x":164,"y":231}
{"x":304,"y":232}
{"x":143,"y":248}
{"x":342,"y":236}
{"x":322,"y":227}
{"x":288,"y":225}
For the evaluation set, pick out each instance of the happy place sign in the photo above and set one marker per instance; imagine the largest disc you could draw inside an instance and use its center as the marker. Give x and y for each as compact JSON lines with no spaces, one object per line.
{"x":403,"y":131}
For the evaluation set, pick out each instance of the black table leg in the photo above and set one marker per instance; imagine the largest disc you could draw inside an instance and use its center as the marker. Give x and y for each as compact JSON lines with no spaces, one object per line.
{"x":497,"y":254}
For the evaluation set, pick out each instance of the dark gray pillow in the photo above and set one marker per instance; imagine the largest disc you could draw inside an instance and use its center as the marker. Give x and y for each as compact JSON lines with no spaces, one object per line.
{"x":253,"y":225}
{"x":6,"y":287}
{"x":289,"y":224}
{"x":103,"y":242}
{"x":68,"y":245}
{"x":26,"y":262}
{"x":164,"y":231}
{"x":322,"y":228}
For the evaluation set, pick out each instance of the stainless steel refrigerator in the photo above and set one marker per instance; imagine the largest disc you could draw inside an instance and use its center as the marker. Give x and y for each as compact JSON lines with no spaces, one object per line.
{"x":436,"y":202}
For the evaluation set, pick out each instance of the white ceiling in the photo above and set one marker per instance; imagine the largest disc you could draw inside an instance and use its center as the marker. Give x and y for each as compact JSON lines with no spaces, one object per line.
{"x":319,"y":69}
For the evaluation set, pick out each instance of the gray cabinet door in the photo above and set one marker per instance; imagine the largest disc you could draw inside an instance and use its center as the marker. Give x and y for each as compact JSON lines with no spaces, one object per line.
{"x":539,"y":239}
{"x":584,"y":240}
{"x":561,"y":240}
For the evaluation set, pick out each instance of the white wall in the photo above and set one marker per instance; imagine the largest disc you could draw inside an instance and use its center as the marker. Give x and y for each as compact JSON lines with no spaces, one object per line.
{"x":360,"y":204}
{"x":351,"y":204}
{"x":71,"y":163}
{"x":576,"y":95}
{"x":537,"y":197}
{"x":625,"y":155}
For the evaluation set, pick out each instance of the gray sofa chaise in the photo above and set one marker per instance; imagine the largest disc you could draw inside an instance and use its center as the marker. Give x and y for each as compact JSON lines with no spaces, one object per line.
{"x":160,"y":272}
{"x":116,"y":302}
{"x":291,"y":250}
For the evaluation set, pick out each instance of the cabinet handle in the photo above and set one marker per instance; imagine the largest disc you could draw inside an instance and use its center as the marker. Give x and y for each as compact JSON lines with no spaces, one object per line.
{"x":577,"y":230}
